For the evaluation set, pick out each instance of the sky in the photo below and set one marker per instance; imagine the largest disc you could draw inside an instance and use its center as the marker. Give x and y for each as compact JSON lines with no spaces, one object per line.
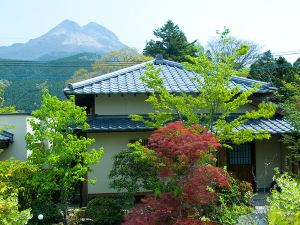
{"x":273,"y":24}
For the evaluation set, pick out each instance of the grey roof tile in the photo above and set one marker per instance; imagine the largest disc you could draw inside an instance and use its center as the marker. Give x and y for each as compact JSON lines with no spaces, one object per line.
{"x":99,"y":123}
{"x":6,"y":136}
{"x":176,"y":79}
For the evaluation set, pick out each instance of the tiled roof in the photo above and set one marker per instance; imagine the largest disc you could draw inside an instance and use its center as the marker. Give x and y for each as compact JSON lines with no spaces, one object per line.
{"x":6,"y":136}
{"x":115,"y":123}
{"x":123,"y":123}
{"x":176,"y":79}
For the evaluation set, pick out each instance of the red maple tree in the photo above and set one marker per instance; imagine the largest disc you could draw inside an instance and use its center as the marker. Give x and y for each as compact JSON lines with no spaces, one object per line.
{"x":188,"y":181}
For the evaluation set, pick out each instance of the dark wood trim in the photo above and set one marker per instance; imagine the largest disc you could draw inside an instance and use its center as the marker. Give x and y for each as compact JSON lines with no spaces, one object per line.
{"x":84,"y":192}
{"x":94,"y":105}
{"x":253,"y":147}
{"x":222,"y":159}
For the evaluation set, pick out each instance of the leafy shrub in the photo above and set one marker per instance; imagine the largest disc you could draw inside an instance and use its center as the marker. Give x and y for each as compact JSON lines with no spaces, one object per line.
{"x":233,"y":202}
{"x":131,"y":171}
{"x":18,"y":175}
{"x":75,"y":216}
{"x":106,"y":210}
{"x":284,"y":206}
{"x":9,"y":208}
{"x":51,"y":212}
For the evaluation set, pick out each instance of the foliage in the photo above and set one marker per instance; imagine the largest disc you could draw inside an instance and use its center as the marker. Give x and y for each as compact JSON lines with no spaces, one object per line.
{"x":109,"y":62}
{"x":292,"y":110}
{"x":51,"y":212}
{"x":61,"y":155}
{"x":106,"y":210}
{"x":18,"y":175}
{"x":284,"y":205}
{"x":154,"y":210}
{"x":215,"y":47}
{"x":5,"y":109}
{"x":229,"y":214}
{"x":276,"y":71}
{"x":172,"y":43}
{"x":9,"y":207}
{"x":234,"y":202}
{"x":76,"y":216}
{"x":126,"y":56}
{"x":189,"y":186}
{"x":216,"y":104}
{"x":132,"y":170}
{"x":30,"y":77}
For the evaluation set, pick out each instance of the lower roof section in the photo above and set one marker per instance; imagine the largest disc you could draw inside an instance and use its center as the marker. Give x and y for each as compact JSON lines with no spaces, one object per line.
{"x":100,"y":123}
{"x":6,"y":137}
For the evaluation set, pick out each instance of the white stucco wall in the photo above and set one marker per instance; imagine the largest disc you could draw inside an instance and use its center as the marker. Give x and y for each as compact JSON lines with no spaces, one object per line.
{"x":132,"y":104}
{"x":18,"y":125}
{"x":269,"y":155}
{"x":113,"y":143}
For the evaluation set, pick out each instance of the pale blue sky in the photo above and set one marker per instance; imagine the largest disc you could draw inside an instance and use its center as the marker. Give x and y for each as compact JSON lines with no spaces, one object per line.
{"x":274,"y":24}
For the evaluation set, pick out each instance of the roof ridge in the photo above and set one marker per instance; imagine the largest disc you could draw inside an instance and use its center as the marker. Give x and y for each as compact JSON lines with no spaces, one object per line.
{"x":106,"y":76}
{"x":168,"y":62}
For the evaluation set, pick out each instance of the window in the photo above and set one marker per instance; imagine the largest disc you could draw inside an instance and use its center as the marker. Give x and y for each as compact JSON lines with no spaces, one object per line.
{"x":240,"y":155}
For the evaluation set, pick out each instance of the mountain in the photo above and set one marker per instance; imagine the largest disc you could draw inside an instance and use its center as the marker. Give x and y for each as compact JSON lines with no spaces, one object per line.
{"x":66,"y":39}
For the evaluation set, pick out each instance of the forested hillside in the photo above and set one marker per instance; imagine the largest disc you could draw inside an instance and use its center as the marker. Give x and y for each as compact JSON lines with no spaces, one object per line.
{"x":26,"y":79}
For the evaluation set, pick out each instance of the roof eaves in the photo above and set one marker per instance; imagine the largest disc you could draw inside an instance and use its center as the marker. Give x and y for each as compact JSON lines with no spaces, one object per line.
{"x":248,"y":81}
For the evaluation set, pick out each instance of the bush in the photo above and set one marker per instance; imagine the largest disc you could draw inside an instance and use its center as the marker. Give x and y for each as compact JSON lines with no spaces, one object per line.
{"x":75,"y":216}
{"x":106,"y":210}
{"x":234,"y":202}
{"x":51,"y":212}
{"x":284,"y":206}
{"x":9,"y":208}
{"x":18,"y":175}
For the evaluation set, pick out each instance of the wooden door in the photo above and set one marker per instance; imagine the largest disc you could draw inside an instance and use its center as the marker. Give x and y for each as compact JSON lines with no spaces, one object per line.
{"x":241,"y":163}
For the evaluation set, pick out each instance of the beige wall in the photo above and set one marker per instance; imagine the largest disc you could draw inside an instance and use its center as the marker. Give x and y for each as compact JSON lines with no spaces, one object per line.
{"x":269,"y":155}
{"x":122,"y":105}
{"x":132,"y":104}
{"x":18,"y":125}
{"x":113,"y":143}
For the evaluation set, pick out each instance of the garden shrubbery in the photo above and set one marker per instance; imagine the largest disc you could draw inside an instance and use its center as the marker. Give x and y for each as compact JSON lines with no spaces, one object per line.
{"x":106,"y":210}
{"x":51,"y":213}
{"x":284,"y":206}
{"x":187,"y":189}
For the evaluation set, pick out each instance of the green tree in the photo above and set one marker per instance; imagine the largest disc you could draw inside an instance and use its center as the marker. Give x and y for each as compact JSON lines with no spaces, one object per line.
{"x":292,"y":113}
{"x":4,"y":109}
{"x":216,"y":102}
{"x":61,"y":154}
{"x":111,"y":61}
{"x":118,"y":59}
{"x":172,"y":43}
{"x":276,"y":71}
{"x":216,"y":46}
{"x":296,"y":66}
{"x":79,"y":75}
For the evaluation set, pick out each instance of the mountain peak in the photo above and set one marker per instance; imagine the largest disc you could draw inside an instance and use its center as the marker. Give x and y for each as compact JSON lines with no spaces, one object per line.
{"x":68,"y":24}
{"x":65,"y":39}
